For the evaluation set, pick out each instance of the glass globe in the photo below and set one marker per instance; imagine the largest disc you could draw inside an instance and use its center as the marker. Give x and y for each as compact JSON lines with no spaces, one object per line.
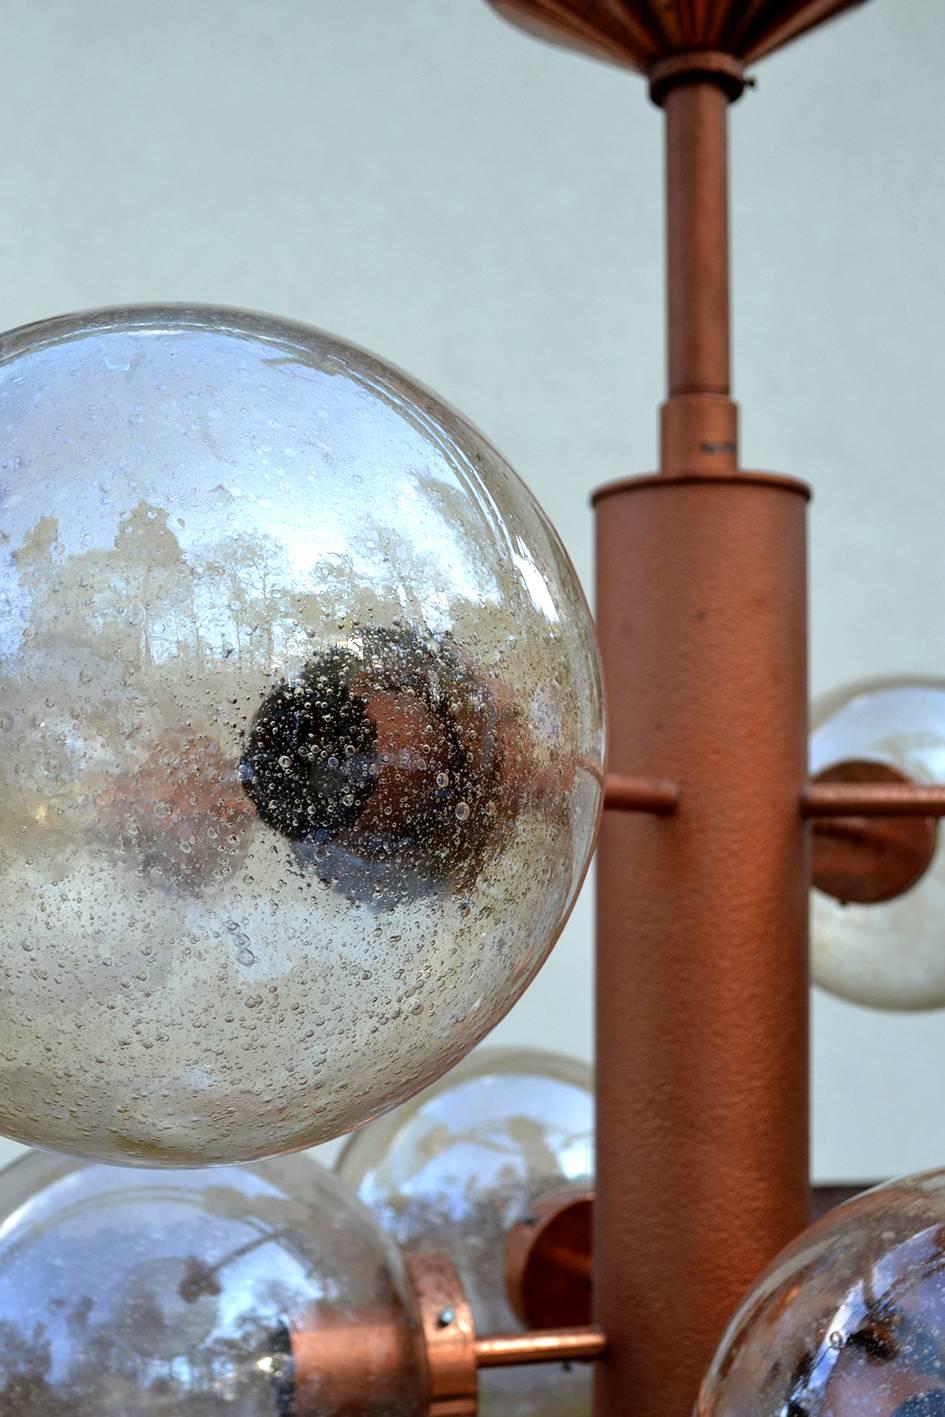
{"x":302,"y":729}
{"x":849,"y":1321}
{"x":888,"y":955}
{"x":455,"y":1169}
{"x":212,"y":1293}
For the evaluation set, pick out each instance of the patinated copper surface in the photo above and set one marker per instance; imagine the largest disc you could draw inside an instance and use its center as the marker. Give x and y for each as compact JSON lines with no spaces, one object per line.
{"x":869,"y":859}
{"x":637,"y":33}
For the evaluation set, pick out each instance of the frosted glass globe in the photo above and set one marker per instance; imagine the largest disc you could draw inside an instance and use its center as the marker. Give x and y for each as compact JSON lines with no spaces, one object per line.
{"x":213,"y":1293}
{"x":849,"y":1321}
{"x":455,"y":1169}
{"x":889,"y":955}
{"x":302,"y":732}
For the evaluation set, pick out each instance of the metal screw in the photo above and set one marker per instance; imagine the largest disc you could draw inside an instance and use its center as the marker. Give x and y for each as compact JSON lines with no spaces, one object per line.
{"x":446,"y":1317}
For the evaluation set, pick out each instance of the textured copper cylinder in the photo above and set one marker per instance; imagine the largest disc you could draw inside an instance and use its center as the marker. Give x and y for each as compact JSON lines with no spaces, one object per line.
{"x":702,"y":971}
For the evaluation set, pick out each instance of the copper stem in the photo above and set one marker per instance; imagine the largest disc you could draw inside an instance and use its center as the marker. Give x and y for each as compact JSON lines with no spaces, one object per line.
{"x":699,"y":419}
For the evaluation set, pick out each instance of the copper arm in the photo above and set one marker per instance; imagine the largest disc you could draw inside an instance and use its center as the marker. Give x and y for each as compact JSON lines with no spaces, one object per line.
{"x":564,"y":1345}
{"x":872,"y":799}
{"x":640,"y":794}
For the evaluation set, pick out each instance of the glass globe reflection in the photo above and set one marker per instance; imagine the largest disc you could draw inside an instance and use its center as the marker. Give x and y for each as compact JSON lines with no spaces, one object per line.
{"x":133,"y":1293}
{"x":303,"y":736}
{"x":887,"y":955}
{"x":457,"y":1168}
{"x":849,"y":1321}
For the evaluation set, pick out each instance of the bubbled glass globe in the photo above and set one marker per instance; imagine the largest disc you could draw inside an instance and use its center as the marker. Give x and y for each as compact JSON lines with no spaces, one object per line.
{"x":225,"y":1292}
{"x":888,"y":955}
{"x":302,"y":731}
{"x":455,"y":1169}
{"x":849,"y":1321}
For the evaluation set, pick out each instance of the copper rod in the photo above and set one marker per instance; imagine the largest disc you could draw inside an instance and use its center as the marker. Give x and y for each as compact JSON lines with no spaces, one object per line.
{"x":640,"y":794}
{"x":699,"y":419}
{"x":702,"y":970}
{"x":697,"y":239}
{"x":565,"y":1345}
{"x":872,"y":799}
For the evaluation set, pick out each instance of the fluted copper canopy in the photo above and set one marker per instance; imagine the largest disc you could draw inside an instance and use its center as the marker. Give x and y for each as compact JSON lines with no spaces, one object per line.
{"x":638,"y":33}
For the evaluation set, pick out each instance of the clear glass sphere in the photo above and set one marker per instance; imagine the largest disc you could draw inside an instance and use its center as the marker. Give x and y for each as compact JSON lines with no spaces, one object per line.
{"x":888,"y":955}
{"x":213,"y":1293}
{"x":849,"y":1321}
{"x":453,"y":1171}
{"x":302,"y":730}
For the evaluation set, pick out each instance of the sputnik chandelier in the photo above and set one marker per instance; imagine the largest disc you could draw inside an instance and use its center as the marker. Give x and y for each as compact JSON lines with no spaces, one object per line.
{"x":304,"y":766}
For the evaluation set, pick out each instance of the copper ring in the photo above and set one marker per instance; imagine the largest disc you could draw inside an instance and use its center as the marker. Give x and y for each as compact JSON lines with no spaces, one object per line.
{"x":698,"y":66}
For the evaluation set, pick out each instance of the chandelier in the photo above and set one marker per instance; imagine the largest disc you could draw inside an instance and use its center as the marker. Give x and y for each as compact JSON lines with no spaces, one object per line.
{"x":304,"y":718}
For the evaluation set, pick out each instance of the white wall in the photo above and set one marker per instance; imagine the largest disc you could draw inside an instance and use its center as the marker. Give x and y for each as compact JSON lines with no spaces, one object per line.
{"x":485,"y":211}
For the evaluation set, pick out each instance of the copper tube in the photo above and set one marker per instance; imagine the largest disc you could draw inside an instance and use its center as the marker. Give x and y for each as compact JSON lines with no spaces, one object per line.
{"x":697,"y":238}
{"x":565,"y":1345}
{"x":699,"y":419}
{"x":872,"y":799}
{"x":702,"y":970}
{"x":640,"y":794}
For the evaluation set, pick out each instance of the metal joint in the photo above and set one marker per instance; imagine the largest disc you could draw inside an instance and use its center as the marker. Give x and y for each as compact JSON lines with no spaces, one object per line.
{"x":447,"y":1336}
{"x":699,"y":66}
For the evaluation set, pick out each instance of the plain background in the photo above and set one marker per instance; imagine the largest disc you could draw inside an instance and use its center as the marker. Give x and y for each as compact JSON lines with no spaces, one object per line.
{"x":484,"y":211}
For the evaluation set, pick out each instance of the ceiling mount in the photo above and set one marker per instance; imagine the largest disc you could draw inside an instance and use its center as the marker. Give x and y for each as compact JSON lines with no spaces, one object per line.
{"x":638,"y":34}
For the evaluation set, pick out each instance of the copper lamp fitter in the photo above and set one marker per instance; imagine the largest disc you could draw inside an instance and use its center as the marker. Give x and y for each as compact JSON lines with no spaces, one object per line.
{"x":361,"y":1362}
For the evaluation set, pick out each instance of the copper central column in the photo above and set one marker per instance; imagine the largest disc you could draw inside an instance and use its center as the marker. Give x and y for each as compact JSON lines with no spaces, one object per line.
{"x":702,"y":976}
